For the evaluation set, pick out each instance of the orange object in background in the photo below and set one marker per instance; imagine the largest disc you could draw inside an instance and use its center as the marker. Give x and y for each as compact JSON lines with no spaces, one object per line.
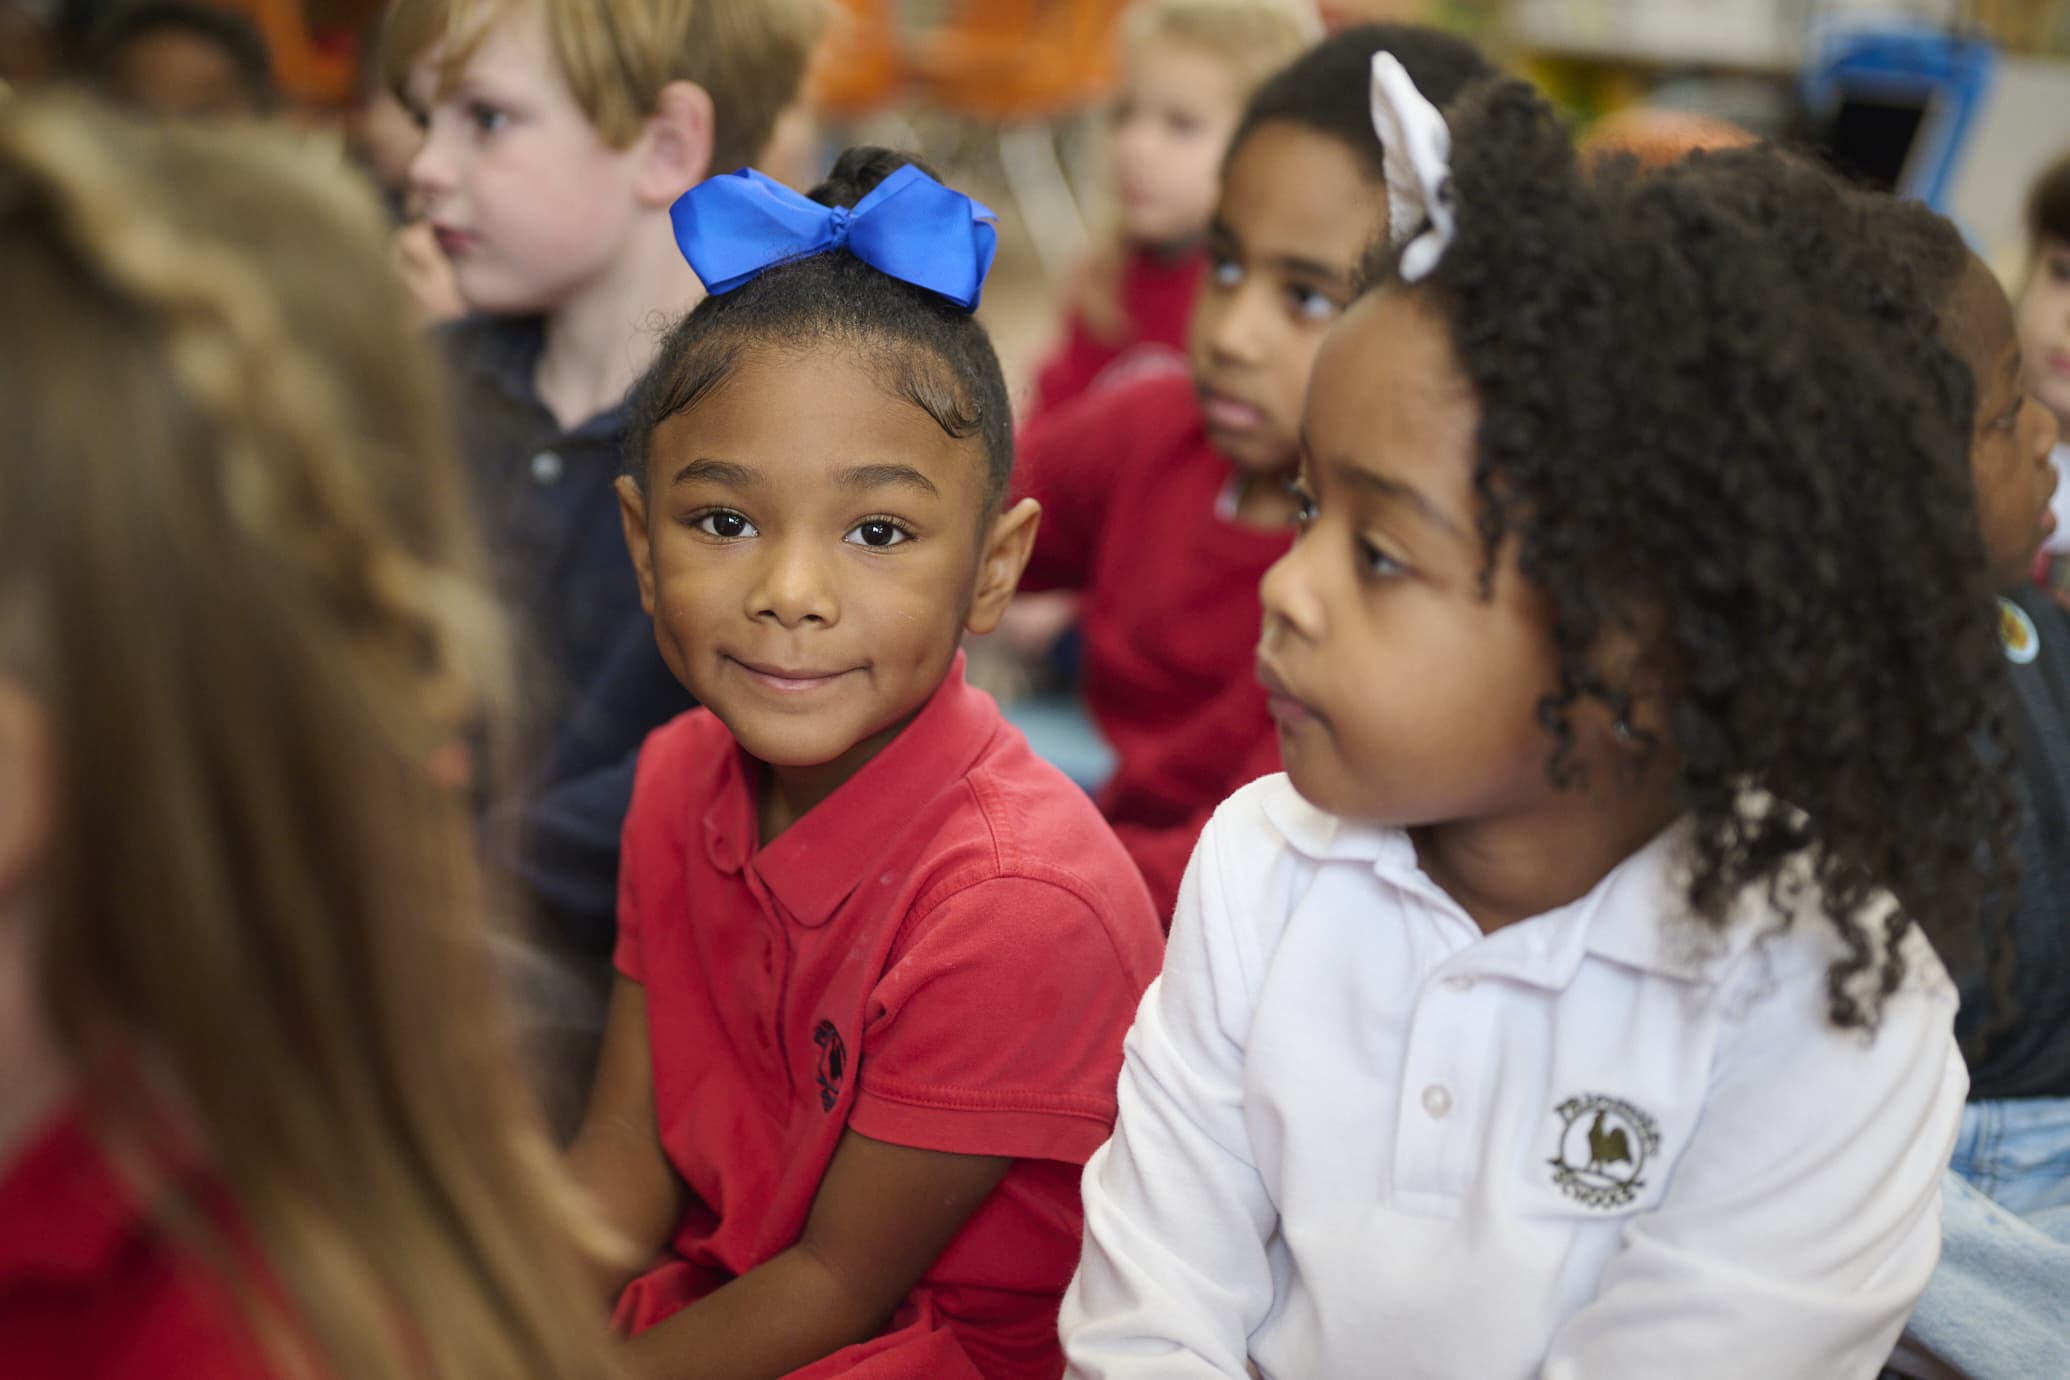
{"x":1657,"y":137}
{"x":988,"y":59}
{"x":314,"y":64}
{"x":1018,"y":59}
{"x":858,"y":66}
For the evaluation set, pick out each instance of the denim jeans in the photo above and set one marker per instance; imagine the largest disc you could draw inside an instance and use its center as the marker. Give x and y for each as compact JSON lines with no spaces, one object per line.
{"x":1998,"y":1306}
{"x":2017,"y":1152}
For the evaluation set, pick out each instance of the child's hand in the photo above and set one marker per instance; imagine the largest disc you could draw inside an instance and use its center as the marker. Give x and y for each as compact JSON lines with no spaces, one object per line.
{"x":882,"y":1215}
{"x":427,"y":274}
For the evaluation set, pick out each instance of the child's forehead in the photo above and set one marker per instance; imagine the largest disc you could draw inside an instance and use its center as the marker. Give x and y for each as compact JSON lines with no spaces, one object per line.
{"x":824,"y":409}
{"x":1290,"y":182}
{"x":1977,"y":316}
{"x":429,"y":48}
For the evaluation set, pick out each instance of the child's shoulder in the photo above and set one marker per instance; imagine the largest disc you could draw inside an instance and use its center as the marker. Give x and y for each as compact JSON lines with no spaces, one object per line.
{"x":1021,"y":824}
{"x":683,"y":758}
{"x":1263,"y":849}
{"x":1778,"y":941}
{"x":1268,"y":821}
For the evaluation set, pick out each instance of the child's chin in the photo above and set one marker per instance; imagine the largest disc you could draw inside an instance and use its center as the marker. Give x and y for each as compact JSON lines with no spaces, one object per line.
{"x":775,"y":748}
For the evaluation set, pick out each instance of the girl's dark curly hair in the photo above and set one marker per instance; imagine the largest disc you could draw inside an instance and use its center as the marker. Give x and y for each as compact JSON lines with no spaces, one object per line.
{"x":928,"y":350}
{"x":1735,"y":435}
{"x":1325,"y":88}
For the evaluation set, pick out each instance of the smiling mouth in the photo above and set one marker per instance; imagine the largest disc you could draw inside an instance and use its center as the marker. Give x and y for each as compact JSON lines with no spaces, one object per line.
{"x":789,"y":680}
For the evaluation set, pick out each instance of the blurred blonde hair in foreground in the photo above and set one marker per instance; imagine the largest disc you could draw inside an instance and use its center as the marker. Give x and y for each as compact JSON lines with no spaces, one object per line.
{"x":234,"y":570}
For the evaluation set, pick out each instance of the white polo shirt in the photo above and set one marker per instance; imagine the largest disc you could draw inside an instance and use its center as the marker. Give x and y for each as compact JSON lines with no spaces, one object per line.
{"x":1359,"y":1138}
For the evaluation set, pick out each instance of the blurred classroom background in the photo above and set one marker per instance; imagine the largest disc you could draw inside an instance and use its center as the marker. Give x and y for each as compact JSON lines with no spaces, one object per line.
{"x":1957,"y":103}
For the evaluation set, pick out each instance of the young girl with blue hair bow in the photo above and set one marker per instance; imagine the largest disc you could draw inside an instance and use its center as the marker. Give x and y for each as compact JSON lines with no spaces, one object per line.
{"x":875,"y":958}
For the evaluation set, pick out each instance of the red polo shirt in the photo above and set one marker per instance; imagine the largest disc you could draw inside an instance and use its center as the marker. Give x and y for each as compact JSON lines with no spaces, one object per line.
{"x":1134,"y":516}
{"x":944,"y":953}
{"x":91,"y":1288}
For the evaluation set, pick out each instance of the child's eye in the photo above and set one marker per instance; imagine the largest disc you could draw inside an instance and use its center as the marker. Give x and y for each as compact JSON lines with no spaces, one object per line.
{"x":1311,"y":305}
{"x":723,"y":523}
{"x":1377,"y":563}
{"x":1182,"y":125}
{"x":487,"y":118}
{"x":2059,"y":267}
{"x":879,"y":533}
{"x":1224,"y":272}
{"x":1304,"y":507}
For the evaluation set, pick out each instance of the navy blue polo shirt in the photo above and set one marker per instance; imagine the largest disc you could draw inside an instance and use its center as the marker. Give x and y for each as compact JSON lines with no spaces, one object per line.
{"x":592,"y":682}
{"x":2030,"y":1057}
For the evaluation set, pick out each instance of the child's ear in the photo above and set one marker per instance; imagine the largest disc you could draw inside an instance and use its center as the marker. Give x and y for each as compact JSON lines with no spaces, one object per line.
{"x":678,"y":143}
{"x":1007,"y":547}
{"x":632,"y":512}
{"x":1631,"y":655}
{"x":27,"y":788}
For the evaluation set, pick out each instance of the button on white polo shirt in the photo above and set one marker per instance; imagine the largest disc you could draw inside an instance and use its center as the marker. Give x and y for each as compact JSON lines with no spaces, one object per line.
{"x":1358,"y":1137}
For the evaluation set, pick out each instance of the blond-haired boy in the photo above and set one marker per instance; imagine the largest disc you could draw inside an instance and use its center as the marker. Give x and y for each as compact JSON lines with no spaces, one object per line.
{"x":556,"y":135}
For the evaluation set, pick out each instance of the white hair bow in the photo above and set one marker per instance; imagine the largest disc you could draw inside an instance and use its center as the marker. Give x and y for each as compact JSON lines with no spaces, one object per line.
{"x":1417,"y":150}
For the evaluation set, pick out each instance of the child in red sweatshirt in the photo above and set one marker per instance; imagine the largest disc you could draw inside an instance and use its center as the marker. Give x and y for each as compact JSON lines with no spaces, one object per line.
{"x":1164,"y":500}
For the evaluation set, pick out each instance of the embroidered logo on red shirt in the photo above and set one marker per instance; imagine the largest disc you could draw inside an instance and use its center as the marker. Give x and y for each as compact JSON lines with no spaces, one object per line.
{"x":833,"y":1064}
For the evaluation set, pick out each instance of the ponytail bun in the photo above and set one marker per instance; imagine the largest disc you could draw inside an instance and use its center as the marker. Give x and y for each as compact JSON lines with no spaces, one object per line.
{"x":859,"y":170}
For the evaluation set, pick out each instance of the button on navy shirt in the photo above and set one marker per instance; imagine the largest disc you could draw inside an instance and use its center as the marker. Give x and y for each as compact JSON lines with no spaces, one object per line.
{"x":594,"y":684}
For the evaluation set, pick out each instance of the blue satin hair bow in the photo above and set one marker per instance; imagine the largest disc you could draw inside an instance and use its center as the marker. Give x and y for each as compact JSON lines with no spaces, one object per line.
{"x":734,"y":227}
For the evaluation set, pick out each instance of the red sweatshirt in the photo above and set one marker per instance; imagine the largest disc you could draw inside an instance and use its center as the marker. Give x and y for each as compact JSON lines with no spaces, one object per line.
{"x":91,"y":1285}
{"x":1134,"y":517}
{"x":1157,"y":293}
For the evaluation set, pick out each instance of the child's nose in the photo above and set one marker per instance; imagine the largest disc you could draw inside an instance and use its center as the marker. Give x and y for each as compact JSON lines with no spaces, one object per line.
{"x":1288,"y":599}
{"x":2048,"y":430}
{"x":1235,"y":333}
{"x":431,"y":171}
{"x":793,"y":589}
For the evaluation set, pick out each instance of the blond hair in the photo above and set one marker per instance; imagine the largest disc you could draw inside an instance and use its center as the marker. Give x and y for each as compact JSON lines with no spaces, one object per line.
{"x":617,"y":55}
{"x":1250,"y":39}
{"x":234,"y":570}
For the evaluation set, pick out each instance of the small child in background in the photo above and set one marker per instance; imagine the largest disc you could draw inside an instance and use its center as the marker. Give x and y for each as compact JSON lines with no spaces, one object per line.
{"x":262,"y":1110}
{"x":557,"y":134}
{"x":178,"y":60}
{"x":1188,"y":68}
{"x":875,"y":957}
{"x":2043,"y":314}
{"x":1568,"y":1008}
{"x":1993,"y":1310}
{"x":1165,"y":499}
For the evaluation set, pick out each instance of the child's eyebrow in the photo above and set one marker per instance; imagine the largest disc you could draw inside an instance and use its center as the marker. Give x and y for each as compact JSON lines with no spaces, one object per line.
{"x":1358,"y":477}
{"x":727,"y":473}
{"x":1296,"y":267}
{"x":857,"y":477}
